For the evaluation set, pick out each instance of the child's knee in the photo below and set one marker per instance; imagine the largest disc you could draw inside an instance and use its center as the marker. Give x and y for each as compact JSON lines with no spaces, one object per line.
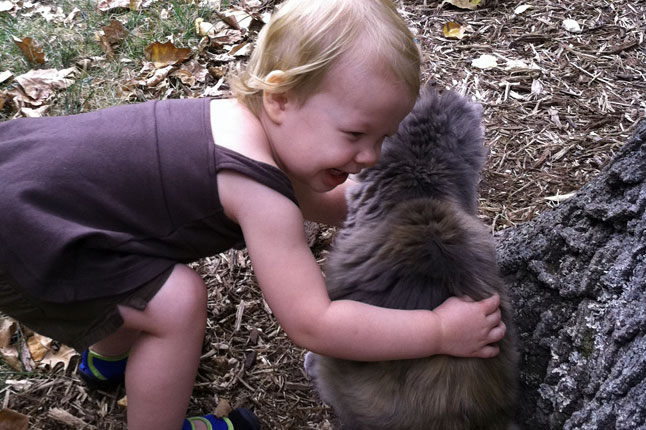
{"x":186,"y":295}
{"x":179,"y":305}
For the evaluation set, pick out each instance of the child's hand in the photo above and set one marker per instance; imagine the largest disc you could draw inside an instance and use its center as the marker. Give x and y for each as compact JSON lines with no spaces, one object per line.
{"x":470,"y":329}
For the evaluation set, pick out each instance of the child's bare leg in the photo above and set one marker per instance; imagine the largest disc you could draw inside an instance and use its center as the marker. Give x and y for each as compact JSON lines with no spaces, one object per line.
{"x":165,"y":355}
{"x":118,"y":343}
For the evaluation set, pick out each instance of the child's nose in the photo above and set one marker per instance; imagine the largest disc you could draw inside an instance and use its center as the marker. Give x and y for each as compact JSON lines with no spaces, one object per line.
{"x":369,"y":155}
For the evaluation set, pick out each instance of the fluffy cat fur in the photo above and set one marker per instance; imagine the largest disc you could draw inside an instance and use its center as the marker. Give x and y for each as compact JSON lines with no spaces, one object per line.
{"x":410,"y":241}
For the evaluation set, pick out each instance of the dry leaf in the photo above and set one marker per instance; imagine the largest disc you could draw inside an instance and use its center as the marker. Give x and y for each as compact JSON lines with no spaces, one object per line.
{"x":522,"y":8}
{"x":241,"y":50}
{"x":463,"y":4}
{"x":106,"y":5}
{"x":63,"y":356}
{"x":72,"y":16}
{"x":34,"y":113}
{"x":19,"y":384}
{"x":6,"y":75}
{"x":5,"y":6}
{"x":11,"y":357}
{"x":571,"y":25}
{"x":164,"y":54}
{"x":39,"y":85}
{"x":114,"y":32}
{"x":12,"y":420}
{"x":9,"y":352}
{"x":32,"y":52}
{"x":453,"y":30}
{"x":485,"y":61}
{"x":537,"y":87}
{"x":4,"y":98}
{"x":204,"y":28}
{"x":7,"y":329}
{"x":38,"y":346}
{"x":223,"y":408}
{"x":560,"y":197}
{"x":123,"y":402}
{"x":111,"y":35}
{"x":49,"y":14}
{"x":64,"y":417}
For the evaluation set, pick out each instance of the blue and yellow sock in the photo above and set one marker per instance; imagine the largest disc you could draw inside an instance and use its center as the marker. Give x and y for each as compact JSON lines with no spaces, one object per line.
{"x":238,"y":419}
{"x":100,"y":371}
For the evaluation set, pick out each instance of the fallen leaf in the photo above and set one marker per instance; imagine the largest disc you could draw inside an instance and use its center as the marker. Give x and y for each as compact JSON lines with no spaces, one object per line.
{"x":106,"y":5}
{"x":114,"y":32}
{"x":46,"y":353}
{"x":11,"y":357}
{"x":5,"y":6}
{"x":191,"y":72}
{"x":164,"y":54}
{"x":25,"y":358}
{"x":72,"y":15}
{"x":7,"y":329}
{"x":39,"y":85}
{"x":38,"y":346}
{"x":463,"y":4}
{"x":204,"y":28}
{"x":241,"y":50}
{"x":34,"y":113}
{"x":123,"y":402}
{"x":571,"y":25}
{"x":4,"y":98}
{"x":228,"y":37}
{"x":110,"y":35}
{"x":522,"y":8}
{"x":554,"y":116}
{"x":19,"y":384}
{"x":64,"y":417}
{"x":12,"y":420}
{"x":158,"y":76}
{"x":63,"y":354}
{"x":519,"y":65}
{"x":223,"y":408}
{"x":560,"y":197}
{"x":48,"y":13}
{"x":453,"y":30}
{"x":32,"y":52}
{"x":485,"y":61}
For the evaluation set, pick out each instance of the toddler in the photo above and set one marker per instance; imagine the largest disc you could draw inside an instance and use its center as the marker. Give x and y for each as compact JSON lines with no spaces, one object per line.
{"x":101,"y":212}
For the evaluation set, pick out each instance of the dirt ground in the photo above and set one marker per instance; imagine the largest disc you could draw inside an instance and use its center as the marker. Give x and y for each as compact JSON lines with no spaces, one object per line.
{"x":557,"y":107}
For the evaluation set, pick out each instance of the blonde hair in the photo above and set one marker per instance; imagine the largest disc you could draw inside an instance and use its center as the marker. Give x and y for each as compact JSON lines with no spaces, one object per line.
{"x":304,"y":38}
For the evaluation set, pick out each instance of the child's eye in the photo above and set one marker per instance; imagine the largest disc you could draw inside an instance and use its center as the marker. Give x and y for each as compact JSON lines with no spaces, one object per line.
{"x":354,"y":134}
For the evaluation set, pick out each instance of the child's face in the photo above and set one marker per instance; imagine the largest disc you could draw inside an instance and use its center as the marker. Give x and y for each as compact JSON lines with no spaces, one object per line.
{"x":340,"y":128}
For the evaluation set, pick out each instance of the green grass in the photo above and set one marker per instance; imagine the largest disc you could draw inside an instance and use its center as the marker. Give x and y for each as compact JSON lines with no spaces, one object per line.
{"x":66,"y":45}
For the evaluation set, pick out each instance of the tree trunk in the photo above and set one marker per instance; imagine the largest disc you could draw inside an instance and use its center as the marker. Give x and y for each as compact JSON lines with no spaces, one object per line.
{"x":577,"y":280}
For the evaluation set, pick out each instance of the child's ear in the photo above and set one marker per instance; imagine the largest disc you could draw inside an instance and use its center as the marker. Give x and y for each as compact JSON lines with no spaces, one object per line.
{"x":274,"y":102}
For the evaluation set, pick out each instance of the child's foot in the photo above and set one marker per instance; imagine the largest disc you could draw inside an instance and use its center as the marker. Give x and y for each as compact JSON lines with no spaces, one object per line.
{"x":101,"y":372}
{"x":238,"y":419}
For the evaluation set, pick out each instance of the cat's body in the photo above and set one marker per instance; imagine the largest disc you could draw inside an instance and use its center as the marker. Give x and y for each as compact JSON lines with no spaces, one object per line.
{"x":410,"y":241}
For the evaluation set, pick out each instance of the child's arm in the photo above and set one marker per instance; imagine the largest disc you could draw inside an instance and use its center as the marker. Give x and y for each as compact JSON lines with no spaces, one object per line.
{"x":328,"y":208}
{"x":294,"y":288}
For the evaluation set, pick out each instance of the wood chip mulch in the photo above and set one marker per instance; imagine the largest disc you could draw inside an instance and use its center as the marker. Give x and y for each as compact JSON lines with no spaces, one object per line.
{"x":557,"y":107}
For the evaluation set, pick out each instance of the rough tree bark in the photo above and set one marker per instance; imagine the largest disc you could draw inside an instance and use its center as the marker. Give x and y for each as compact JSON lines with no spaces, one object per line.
{"x":577,"y":279}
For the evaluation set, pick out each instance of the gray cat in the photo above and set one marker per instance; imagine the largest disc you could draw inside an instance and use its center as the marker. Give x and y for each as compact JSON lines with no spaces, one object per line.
{"x":410,"y":241}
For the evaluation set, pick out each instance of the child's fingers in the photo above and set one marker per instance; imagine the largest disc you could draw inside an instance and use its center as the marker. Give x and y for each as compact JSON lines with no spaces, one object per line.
{"x":488,"y":351}
{"x":491,"y":304}
{"x":497,"y":333}
{"x":494,"y":318}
